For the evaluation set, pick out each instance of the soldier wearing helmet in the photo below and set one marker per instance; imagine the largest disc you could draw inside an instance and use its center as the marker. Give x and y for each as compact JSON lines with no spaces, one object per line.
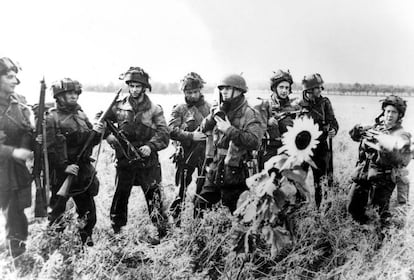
{"x":143,"y":123}
{"x":15,"y":149}
{"x":384,"y":152}
{"x":67,"y":131}
{"x":237,"y":131}
{"x":319,"y":108}
{"x":188,"y":139}
{"x":279,"y":111}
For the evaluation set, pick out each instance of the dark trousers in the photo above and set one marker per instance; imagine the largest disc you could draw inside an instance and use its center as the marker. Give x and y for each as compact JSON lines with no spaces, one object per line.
{"x":320,"y":159}
{"x":380,"y":190}
{"x":85,"y":207}
{"x":149,"y":179}
{"x":16,"y":222}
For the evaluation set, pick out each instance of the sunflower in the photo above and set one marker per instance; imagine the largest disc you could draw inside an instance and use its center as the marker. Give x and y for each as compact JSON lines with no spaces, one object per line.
{"x":299,"y":141}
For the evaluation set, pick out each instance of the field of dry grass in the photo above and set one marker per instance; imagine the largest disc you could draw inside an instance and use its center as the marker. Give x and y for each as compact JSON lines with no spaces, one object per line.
{"x":329,"y":244}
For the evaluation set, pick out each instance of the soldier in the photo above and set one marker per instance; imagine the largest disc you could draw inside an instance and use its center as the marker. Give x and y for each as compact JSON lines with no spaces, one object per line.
{"x":15,"y":148}
{"x":319,"y":108}
{"x":384,"y":150}
{"x":67,"y":131}
{"x":143,"y":123}
{"x":184,"y":128}
{"x":237,"y":130}
{"x":281,"y":111}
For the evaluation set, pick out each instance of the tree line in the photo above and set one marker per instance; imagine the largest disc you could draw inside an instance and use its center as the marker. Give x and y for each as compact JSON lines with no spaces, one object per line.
{"x":331,"y":88}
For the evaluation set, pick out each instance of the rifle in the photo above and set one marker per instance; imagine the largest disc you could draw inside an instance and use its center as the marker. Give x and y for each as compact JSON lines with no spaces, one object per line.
{"x":40,"y":150}
{"x":65,"y":188}
{"x":282,"y":115}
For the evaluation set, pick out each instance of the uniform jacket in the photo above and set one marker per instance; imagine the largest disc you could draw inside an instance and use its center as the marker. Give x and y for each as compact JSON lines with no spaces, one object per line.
{"x":274,"y":107}
{"x":244,"y":135}
{"x":15,"y":132}
{"x":143,"y":124}
{"x":67,"y":130}
{"x":185,"y":119}
{"x":322,"y":113}
{"x":373,"y":163}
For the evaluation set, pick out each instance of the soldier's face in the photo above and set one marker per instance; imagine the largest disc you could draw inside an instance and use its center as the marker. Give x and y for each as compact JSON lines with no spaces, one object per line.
{"x":71,"y":97}
{"x":390,"y":115}
{"x":135,"y":89}
{"x":8,"y":82}
{"x":228,"y":93}
{"x":314,"y":93}
{"x":192,"y":95}
{"x":283,"y":89}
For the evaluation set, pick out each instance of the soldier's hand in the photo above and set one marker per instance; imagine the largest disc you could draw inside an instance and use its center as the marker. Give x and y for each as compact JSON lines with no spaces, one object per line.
{"x":145,"y":151}
{"x":98,"y":127}
{"x":72,"y":169}
{"x":199,"y":136}
{"x":39,"y":139}
{"x":222,"y":125}
{"x":98,"y":115}
{"x":331,"y":133}
{"x":23,"y":154}
{"x":112,"y":140}
{"x":272,"y":122}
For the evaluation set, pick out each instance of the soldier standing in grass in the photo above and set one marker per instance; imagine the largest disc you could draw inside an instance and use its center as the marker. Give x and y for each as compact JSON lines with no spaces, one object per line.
{"x":279,"y":112}
{"x":15,"y":149}
{"x":143,"y":123}
{"x":184,"y":128}
{"x":384,"y":150}
{"x":237,"y":130}
{"x":67,"y":131}
{"x":319,"y":108}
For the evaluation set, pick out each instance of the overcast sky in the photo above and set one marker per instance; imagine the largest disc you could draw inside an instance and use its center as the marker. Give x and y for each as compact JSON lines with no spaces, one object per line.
{"x":94,"y":41}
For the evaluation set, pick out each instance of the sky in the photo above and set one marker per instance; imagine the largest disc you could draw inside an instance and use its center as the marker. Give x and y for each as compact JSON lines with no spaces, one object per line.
{"x":94,"y":41}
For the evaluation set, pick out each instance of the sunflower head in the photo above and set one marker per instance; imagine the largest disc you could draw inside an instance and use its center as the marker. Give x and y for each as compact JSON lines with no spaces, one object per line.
{"x":299,"y":141}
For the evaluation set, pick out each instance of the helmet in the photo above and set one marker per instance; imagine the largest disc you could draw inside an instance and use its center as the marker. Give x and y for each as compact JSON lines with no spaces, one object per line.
{"x":312,"y":81}
{"x":234,"y":80}
{"x":6,"y":64}
{"x":280,"y":76}
{"x":395,"y":101}
{"x":192,"y":81}
{"x":136,"y":74}
{"x":66,"y":85}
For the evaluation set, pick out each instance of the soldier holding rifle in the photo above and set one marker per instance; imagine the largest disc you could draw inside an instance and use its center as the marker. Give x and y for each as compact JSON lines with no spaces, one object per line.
{"x":143,"y":124}
{"x":190,"y":149}
{"x":16,"y":141}
{"x":71,"y":172}
{"x":384,"y":150}
{"x":319,"y":108}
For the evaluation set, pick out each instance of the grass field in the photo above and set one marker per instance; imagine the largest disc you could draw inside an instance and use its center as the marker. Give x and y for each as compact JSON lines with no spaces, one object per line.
{"x":202,"y":249}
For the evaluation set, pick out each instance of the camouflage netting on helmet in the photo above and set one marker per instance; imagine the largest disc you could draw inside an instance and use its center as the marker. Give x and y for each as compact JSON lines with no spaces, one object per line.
{"x":395,"y":101}
{"x":312,"y":81}
{"x":6,"y":64}
{"x":192,"y":81}
{"x":136,"y":74}
{"x":66,"y":85}
{"x":278,"y":77}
